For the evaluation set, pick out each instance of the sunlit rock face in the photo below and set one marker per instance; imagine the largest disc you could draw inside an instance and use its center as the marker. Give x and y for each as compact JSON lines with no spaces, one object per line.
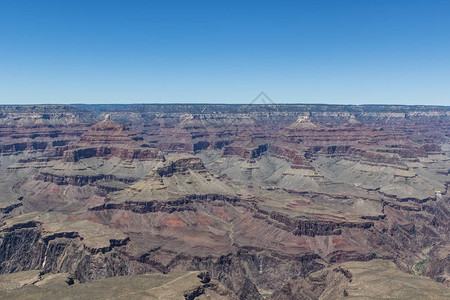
{"x":274,"y":200}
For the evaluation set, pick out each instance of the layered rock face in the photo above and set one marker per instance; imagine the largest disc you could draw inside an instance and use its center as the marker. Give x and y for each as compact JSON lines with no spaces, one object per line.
{"x":277,"y":201}
{"x":39,"y":128}
{"x":110,"y":139}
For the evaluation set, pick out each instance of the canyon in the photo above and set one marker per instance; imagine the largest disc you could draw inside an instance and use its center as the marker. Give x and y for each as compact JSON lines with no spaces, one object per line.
{"x":213,"y":201}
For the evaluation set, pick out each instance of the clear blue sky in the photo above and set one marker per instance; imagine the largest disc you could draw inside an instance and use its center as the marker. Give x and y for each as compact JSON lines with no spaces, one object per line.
{"x":355,"y":52}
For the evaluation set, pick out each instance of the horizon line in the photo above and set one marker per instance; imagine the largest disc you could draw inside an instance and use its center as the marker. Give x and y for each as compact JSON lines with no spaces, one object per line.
{"x":220,"y":103}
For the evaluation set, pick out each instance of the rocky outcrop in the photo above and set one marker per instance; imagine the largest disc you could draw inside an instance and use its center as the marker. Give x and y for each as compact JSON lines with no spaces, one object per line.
{"x":437,"y":266}
{"x":109,"y":139}
{"x":27,"y":246}
{"x":358,"y":279}
{"x":180,"y":165}
{"x":298,"y":160}
{"x":253,"y":152}
{"x":171,"y":206}
{"x":10,"y":208}
{"x":315,"y":227}
{"x":79,"y":180}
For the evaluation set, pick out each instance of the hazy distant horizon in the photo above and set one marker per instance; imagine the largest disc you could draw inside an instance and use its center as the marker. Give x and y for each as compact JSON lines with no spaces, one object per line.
{"x":221,"y":103}
{"x":247,"y":101}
